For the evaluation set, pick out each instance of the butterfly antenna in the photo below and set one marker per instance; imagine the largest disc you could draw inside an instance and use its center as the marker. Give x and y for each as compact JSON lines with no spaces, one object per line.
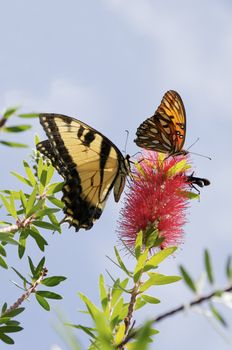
{"x":193,"y":143}
{"x":197,"y":154}
{"x":127,"y":136}
{"x":201,"y":155}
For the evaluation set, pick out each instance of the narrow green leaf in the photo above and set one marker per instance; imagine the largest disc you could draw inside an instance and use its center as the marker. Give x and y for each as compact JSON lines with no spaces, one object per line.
{"x":9,"y":112}
{"x":140,"y":302}
{"x":7,"y":237}
{"x":120,"y":333}
{"x":4,"y":320}
{"x":150,"y":300}
{"x":188,"y":280}
{"x":34,"y":233}
{"x":86,"y":330}
{"x":20,"y":275}
{"x":229,"y":268}
{"x":43,"y":302}
{"x":28,"y":115}
{"x":93,"y":310}
{"x":103,"y":293}
{"x":16,"y":128}
{"x":115,"y":316}
{"x":10,"y":329}
{"x":31,"y":200}
{"x":140,"y":265}
{"x":23,"y":200}
{"x":36,"y":207}
{"x":118,"y":289}
{"x":6,"y":339}
{"x":15,"y":312}
{"x":121,"y":263}
{"x":138,"y":244}
{"x":13,"y":144}
{"x":157,"y":279}
{"x":4,"y":308}
{"x":46,"y":211}
{"x":39,"y":268}
{"x":208,"y":266}
{"x":21,"y":178}
{"x":49,"y":295}
{"x":50,"y":173}
{"x":46,"y":225}
{"x":54,"y":188}
{"x":29,"y":172}
{"x":40,"y":167}
{"x":218,"y":316}
{"x":32,"y":266}
{"x":22,"y":243}
{"x":2,"y":250}
{"x":3,"y":263}
{"x":156,"y":259}
{"x":12,"y":205}
{"x":56,"y":202}
{"x":7,"y":205}
{"x":53,"y":281}
{"x":143,"y":337}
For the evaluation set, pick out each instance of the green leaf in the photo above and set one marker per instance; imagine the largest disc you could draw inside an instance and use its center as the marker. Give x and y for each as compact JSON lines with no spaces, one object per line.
{"x":2,"y":251}
{"x":86,"y":330}
{"x":118,"y":289}
{"x":28,"y":115}
{"x":32,"y":267}
{"x":46,"y":211}
{"x":150,"y":300}
{"x":10,"y":329}
{"x":229,"y":268}
{"x":4,"y":308}
{"x":157,"y":279}
{"x":13,"y":144}
{"x":120,"y":333}
{"x":143,"y":337}
{"x":7,"y":205}
{"x":34,"y":233}
{"x":7,"y":237}
{"x":46,"y":225}
{"x":12,"y":205}
{"x":218,"y":316}
{"x":123,"y":267}
{"x":20,"y":276}
{"x":140,"y":302}
{"x":16,"y":128}
{"x":156,"y":259}
{"x":103,"y":293}
{"x":56,"y":202}
{"x":140,"y":265}
{"x":93,"y":310}
{"x":6,"y":339}
{"x":22,"y":243}
{"x":31,"y":201}
{"x":49,"y":295}
{"x":3,"y":263}
{"x":188,"y":280}
{"x":43,"y":302}
{"x":50,"y":173}
{"x":39,"y":268}
{"x":208,"y":266}
{"x":29,"y":173}
{"x":138,"y":244}
{"x":15,"y":312}
{"x":21,"y":178}
{"x":9,"y":112}
{"x":53,"y":281}
{"x":54,"y":188}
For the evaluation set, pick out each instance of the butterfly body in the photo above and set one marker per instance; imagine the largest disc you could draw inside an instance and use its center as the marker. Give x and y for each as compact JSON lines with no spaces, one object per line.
{"x":165,"y":131}
{"x":90,"y":164}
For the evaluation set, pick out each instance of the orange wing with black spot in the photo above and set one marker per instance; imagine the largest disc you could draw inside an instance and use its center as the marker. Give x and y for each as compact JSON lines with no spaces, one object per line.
{"x":165,"y":130}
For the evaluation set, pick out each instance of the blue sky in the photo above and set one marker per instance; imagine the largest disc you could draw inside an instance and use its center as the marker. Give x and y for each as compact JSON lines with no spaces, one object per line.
{"x":108,"y":63}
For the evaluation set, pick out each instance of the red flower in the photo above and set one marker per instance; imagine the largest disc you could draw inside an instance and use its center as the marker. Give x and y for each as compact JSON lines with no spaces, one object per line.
{"x":155,"y":200}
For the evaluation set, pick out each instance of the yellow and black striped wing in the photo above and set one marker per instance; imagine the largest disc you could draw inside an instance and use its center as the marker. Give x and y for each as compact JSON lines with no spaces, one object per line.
{"x":165,"y":130}
{"x":90,"y":164}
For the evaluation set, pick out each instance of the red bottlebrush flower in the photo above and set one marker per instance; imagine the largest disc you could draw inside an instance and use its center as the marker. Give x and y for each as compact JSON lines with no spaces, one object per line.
{"x":155,"y":200}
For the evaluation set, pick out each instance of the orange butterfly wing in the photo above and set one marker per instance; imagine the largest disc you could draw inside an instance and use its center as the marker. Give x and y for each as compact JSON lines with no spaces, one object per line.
{"x":165,"y":130}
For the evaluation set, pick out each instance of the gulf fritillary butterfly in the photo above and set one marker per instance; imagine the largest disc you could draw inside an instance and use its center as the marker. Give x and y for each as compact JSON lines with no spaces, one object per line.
{"x":165,"y":130}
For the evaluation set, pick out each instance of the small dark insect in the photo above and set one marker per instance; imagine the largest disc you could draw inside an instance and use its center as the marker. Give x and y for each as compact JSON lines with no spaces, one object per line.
{"x":197,"y":181}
